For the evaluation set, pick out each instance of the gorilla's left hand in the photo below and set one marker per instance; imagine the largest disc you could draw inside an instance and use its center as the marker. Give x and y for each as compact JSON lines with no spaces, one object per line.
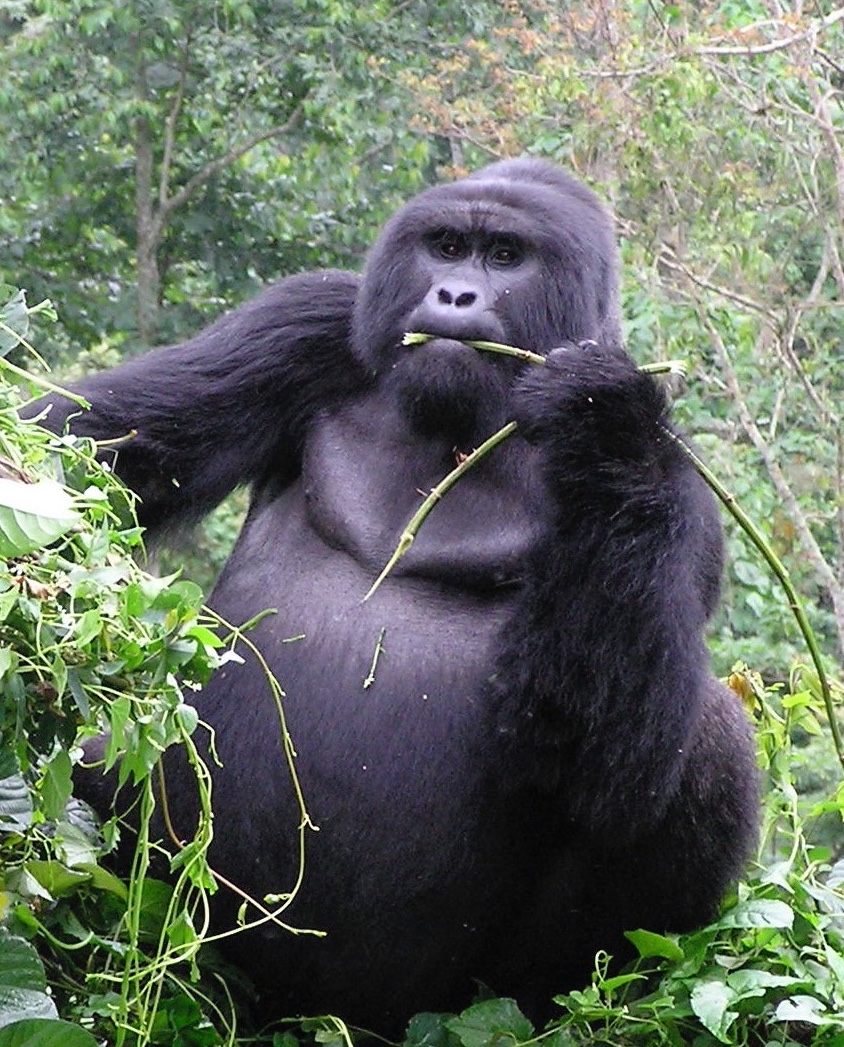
{"x":589,"y":406}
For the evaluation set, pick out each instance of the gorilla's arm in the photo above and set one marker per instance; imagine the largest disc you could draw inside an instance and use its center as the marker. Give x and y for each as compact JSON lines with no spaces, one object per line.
{"x":604,"y":676}
{"x":225,"y":407}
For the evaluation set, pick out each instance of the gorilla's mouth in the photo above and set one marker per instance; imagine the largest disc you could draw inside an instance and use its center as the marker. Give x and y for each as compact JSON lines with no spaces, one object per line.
{"x":444,"y":346}
{"x":448,"y":388}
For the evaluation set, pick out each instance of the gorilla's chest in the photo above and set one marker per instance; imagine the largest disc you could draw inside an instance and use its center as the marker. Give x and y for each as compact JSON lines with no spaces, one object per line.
{"x":364,"y":476}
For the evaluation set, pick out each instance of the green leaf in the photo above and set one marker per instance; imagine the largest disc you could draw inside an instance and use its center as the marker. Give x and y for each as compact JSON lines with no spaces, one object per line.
{"x":759,"y":912}
{"x":19,"y":1004}
{"x":181,"y":931}
{"x":154,"y":907}
{"x":55,"y":877}
{"x":8,"y":659}
{"x":188,"y":718}
{"x":22,"y":984}
{"x":489,"y":1022}
{"x":650,"y":944}
{"x":74,"y":845}
{"x":20,"y":965}
{"x":89,"y":625}
{"x":752,"y":982}
{"x":56,"y":785}
{"x":41,"y":1032}
{"x":284,"y":1039}
{"x":15,"y":803}
{"x":103,"y":880}
{"x":205,"y":636}
{"x":33,"y":515}
{"x":429,"y":1030}
{"x":609,"y":985}
{"x":14,"y":315}
{"x":710,"y":1001}
{"x":807,"y":1009}
{"x":7,"y":602}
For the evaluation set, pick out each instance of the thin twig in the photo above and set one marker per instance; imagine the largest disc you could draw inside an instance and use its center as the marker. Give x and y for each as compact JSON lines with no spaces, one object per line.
{"x":445,"y":485}
{"x":778,"y":567}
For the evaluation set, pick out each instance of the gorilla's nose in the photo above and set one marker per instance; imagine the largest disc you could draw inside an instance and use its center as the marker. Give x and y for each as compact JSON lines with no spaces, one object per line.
{"x":460,"y":299}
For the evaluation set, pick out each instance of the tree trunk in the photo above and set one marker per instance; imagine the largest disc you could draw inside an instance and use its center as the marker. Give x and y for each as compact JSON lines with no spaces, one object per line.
{"x":147,"y":226}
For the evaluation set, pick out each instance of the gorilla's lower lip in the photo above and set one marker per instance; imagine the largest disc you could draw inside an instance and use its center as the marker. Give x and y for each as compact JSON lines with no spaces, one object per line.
{"x":443,"y":344}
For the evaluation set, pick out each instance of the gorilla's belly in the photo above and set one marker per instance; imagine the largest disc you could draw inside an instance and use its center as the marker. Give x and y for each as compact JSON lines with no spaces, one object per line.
{"x":382,"y":698}
{"x":384,"y":701}
{"x":435,"y":638}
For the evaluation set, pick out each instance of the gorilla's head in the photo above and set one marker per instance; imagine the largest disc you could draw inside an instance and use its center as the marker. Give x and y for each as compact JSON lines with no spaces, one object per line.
{"x":519,"y":252}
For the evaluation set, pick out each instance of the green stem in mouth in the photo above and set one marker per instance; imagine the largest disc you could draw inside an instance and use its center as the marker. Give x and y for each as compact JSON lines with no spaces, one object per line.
{"x":417,"y":338}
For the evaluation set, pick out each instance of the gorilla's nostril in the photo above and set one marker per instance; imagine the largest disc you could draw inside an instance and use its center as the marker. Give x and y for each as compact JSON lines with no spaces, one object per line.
{"x":467,"y":298}
{"x":444,"y":296}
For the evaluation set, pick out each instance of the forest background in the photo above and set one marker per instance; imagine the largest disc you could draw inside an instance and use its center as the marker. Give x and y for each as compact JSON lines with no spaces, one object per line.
{"x":161,"y":161}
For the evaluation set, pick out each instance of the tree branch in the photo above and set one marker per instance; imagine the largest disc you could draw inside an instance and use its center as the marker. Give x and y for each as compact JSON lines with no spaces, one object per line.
{"x":814,"y":28}
{"x":173,"y":116}
{"x":669,"y":258}
{"x":221,"y":162}
{"x":822,"y":569}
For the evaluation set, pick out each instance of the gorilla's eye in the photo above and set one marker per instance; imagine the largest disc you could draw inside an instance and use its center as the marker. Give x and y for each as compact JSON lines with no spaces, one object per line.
{"x":504,"y":253}
{"x":449,"y":245}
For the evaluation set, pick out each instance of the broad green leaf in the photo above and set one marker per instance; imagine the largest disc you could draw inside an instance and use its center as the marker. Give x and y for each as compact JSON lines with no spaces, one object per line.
{"x":15,"y":803}
{"x":18,"y":1004}
{"x":487,"y":1022}
{"x":429,"y":1030}
{"x":650,"y":944}
{"x":103,"y":880}
{"x":15,"y":316}
{"x":807,"y":1009}
{"x":205,"y":636}
{"x":188,"y":718}
{"x":80,"y":698}
{"x":155,"y":904}
{"x":74,"y":845}
{"x":7,"y":602}
{"x":287,"y":1039}
{"x":609,"y":985}
{"x":710,"y":1001}
{"x":181,"y":931}
{"x":759,"y":912}
{"x":89,"y":625}
{"x":20,"y":965}
{"x":835,"y":963}
{"x":33,"y":515}
{"x":56,"y":785}
{"x":55,"y":877}
{"x":753,"y":982}
{"x":8,"y":660}
{"x":45,"y":1032}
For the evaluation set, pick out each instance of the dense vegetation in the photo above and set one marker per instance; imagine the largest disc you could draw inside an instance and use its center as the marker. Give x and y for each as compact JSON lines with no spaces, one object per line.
{"x":162,"y":160}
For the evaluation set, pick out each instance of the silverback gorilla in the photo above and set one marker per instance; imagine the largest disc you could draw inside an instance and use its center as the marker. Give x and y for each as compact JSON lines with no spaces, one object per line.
{"x":543,"y":760}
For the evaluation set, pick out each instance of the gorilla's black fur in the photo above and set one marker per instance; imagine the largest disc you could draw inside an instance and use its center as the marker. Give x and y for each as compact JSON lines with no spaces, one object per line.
{"x":543,"y":760}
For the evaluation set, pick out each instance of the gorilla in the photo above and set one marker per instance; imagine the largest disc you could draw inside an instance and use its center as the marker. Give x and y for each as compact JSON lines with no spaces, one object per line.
{"x":514,"y":751}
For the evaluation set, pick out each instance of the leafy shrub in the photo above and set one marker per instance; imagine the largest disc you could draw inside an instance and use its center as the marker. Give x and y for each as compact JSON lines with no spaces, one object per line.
{"x":89,"y":643}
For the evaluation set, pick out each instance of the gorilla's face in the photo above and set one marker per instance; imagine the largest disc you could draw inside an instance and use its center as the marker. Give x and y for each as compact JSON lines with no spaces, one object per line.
{"x":504,"y":256}
{"x":470,"y":271}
